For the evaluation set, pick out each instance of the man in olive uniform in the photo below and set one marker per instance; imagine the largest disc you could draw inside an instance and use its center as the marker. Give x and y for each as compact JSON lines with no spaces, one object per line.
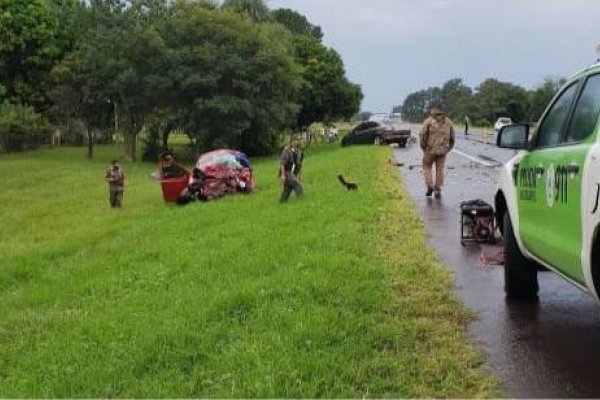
{"x":437,"y":139}
{"x":116,"y":184}
{"x":290,"y":171}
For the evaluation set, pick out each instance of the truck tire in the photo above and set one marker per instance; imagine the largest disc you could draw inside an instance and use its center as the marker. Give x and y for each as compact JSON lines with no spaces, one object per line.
{"x":596,"y":265}
{"x":402,"y":144}
{"x":520,"y":273}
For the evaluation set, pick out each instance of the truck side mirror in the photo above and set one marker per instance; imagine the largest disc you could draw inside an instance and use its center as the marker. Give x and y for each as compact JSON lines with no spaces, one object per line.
{"x":514,"y":137}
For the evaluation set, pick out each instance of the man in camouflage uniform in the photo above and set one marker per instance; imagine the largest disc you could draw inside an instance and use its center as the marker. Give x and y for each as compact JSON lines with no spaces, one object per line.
{"x":116,"y":184}
{"x":290,"y":171}
{"x":437,"y":139}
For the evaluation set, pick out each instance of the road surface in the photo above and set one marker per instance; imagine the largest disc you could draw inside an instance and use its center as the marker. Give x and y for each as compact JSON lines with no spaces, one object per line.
{"x":538,"y":350}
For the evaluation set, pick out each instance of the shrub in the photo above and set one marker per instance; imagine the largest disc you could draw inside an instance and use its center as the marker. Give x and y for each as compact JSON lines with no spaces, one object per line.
{"x":483,"y":123}
{"x":21,"y":128}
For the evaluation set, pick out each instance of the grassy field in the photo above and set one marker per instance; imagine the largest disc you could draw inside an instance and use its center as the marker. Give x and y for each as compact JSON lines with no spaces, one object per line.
{"x":332,"y":296}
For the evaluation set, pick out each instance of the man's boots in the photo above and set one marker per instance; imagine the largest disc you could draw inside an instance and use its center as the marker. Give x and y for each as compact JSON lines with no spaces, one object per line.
{"x":429,"y":192}
{"x":437,"y":192}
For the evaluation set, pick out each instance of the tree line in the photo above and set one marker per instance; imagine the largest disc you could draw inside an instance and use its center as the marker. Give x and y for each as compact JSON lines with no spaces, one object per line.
{"x":235,"y":75}
{"x":489,"y":101}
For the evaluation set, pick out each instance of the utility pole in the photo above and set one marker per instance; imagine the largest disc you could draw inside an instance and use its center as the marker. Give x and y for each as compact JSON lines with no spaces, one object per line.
{"x":493,"y":102}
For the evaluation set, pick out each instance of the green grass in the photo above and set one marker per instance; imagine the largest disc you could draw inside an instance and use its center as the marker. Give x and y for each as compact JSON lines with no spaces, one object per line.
{"x":332,"y":296}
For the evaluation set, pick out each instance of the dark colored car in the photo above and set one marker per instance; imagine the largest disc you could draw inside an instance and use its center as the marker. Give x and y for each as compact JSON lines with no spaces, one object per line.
{"x":377,"y":133}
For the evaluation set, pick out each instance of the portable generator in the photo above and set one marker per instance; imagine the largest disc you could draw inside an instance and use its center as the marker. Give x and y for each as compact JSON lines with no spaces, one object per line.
{"x":477,"y":222}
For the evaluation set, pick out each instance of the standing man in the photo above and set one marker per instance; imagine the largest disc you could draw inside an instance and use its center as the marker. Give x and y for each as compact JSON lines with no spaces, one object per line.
{"x":467,"y":122}
{"x":437,"y":139}
{"x":116,"y":184}
{"x":290,"y":171}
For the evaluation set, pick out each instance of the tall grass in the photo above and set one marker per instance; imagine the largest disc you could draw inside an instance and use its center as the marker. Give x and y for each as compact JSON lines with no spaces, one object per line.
{"x":335,"y":295}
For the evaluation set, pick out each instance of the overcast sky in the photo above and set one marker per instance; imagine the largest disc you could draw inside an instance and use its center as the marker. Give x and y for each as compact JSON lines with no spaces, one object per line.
{"x":394,"y":47}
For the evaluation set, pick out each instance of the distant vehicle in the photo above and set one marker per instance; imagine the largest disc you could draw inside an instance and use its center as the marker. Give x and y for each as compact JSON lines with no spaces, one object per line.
{"x":378,"y":117}
{"x":377,"y":133}
{"x":501,"y":123}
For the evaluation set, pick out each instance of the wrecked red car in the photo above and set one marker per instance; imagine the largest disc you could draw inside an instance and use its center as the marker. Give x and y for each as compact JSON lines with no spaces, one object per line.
{"x":216,"y":174}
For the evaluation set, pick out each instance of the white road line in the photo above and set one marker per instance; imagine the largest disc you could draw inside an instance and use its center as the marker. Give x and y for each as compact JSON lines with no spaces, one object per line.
{"x":474,"y":159}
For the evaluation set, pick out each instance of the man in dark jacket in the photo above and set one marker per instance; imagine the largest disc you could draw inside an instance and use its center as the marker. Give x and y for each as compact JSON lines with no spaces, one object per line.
{"x":290,"y":171}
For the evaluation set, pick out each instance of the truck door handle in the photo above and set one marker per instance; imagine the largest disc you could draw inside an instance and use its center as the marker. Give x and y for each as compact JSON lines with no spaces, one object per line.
{"x":515,"y":172}
{"x":540,"y":170}
{"x":572,"y":169}
{"x":597,"y":199}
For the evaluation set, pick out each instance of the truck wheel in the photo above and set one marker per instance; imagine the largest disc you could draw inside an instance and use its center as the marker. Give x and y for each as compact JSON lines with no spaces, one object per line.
{"x":402,"y":144}
{"x":520,"y":273}
{"x":377,"y":141}
{"x":596,"y":265}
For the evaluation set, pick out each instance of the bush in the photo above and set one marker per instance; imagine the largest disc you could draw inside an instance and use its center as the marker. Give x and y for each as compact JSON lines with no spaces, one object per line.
{"x":21,"y":128}
{"x":483,"y":123}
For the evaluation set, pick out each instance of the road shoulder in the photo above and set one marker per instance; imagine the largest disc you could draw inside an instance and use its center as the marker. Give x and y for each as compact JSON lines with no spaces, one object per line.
{"x":423,"y":306}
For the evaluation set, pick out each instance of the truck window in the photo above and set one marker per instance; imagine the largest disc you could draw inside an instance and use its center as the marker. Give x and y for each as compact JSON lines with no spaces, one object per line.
{"x":548,"y":135}
{"x":586,"y":112}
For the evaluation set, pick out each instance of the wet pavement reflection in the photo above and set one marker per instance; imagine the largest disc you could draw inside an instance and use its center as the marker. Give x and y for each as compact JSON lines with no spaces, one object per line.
{"x":550,"y":348}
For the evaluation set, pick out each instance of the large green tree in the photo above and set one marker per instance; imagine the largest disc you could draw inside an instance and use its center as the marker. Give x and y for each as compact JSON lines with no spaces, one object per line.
{"x":34,"y":34}
{"x":326,"y":94}
{"x":256,"y":9}
{"x":541,"y":96}
{"x":143,"y":83}
{"x":416,"y":105}
{"x":296,"y":23}
{"x":491,"y":99}
{"x":84,"y":90}
{"x":120,"y":63}
{"x":496,"y":99}
{"x":224,"y":78}
{"x":236,"y":80}
{"x":457,"y":98}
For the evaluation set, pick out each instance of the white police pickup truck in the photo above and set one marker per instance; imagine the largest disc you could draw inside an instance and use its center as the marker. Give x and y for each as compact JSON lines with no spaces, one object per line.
{"x":547,"y":202}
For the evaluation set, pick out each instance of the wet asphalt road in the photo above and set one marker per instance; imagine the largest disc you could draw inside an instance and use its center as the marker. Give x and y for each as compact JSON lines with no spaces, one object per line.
{"x":540,"y":350}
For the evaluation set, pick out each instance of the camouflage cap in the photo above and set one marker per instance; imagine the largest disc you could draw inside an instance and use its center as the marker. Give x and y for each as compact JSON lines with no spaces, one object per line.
{"x":436,"y":109}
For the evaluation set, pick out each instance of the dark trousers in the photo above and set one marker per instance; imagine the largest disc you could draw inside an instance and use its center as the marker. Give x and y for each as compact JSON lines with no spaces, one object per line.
{"x":291,"y":184}
{"x":116,"y":197}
